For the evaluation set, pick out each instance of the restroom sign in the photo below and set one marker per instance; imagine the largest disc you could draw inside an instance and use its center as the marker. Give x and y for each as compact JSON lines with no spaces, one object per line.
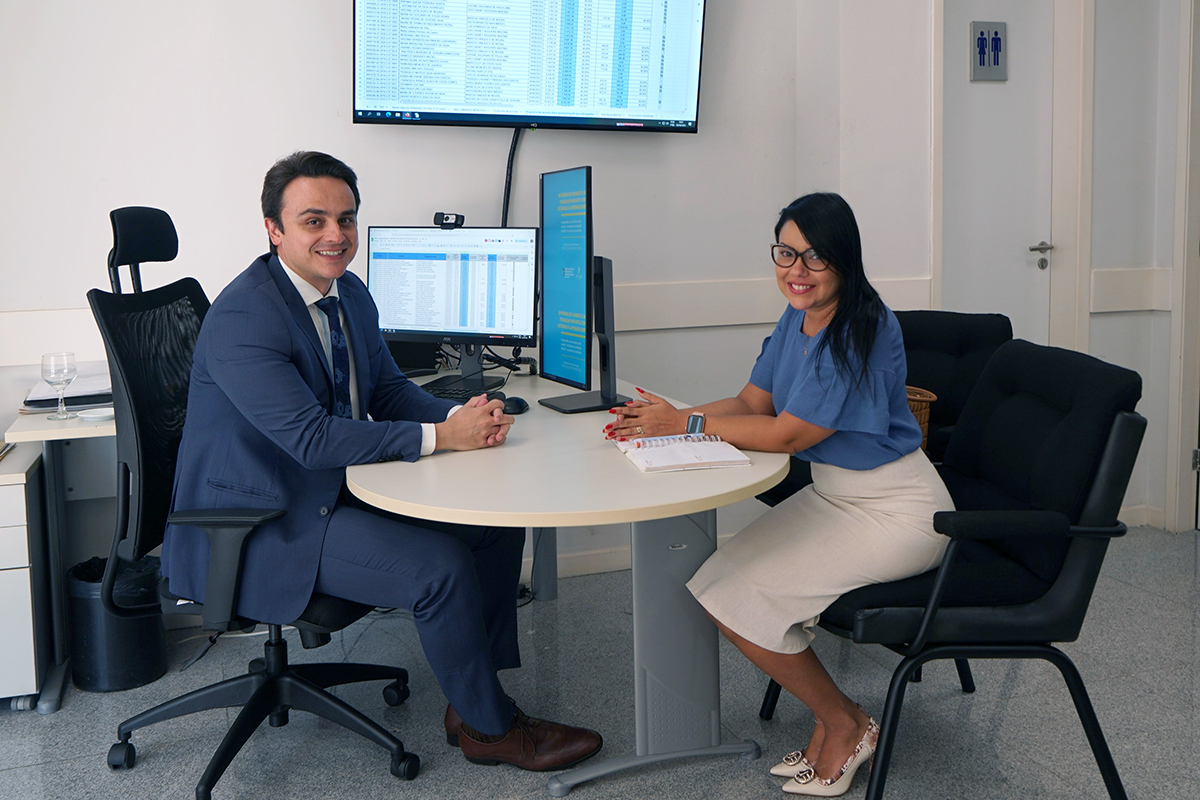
{"x":989,"y":51}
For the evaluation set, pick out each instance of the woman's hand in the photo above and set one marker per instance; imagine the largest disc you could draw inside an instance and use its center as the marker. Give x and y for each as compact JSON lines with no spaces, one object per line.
{"x":650,"y":415}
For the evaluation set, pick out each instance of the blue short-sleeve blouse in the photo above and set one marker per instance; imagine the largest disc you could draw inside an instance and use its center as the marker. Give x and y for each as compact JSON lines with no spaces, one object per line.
{"x":871,"y":417}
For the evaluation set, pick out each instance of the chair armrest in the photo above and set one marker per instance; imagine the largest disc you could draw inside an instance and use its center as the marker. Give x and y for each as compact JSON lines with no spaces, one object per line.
{"x":960,"y":525}
{"x":994,"y":524}
{"x":1106,"y":532}
{"x":226,"y":529}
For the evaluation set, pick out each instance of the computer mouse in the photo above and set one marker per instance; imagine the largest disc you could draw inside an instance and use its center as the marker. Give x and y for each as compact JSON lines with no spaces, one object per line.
{"x":515,"y":405}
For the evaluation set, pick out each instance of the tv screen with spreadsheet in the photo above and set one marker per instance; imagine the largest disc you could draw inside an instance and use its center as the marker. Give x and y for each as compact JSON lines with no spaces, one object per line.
{"x":587,"y":64}
{"x":456,"y":286}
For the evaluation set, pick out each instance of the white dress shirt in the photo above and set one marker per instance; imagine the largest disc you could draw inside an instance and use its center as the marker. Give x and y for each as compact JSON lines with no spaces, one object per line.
{"x":310,"y":295}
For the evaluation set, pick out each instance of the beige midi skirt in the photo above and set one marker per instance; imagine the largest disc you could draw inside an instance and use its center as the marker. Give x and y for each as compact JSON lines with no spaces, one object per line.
{"x":849,"y":528}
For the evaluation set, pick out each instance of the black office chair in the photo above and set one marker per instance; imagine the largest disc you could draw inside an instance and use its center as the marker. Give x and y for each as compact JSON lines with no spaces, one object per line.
{"x":946,"y":352}
{"x":149,"y":337}
{"x":1037,"y":465}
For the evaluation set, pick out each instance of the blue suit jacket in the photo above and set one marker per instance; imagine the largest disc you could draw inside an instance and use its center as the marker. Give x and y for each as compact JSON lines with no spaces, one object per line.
{"x":259,"y":433}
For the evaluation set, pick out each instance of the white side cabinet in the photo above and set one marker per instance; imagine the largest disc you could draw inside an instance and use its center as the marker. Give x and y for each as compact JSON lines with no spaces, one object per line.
{"x":26,"y":638}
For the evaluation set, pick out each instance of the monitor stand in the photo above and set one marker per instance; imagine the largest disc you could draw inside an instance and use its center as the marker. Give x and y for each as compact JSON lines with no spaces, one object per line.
{"x":585,"y":401}
{"x":602,"y":307}
{"x":471,"y":377}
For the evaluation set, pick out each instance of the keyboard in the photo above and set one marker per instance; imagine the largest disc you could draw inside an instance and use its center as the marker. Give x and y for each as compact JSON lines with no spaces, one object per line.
{"x":460,"y":394}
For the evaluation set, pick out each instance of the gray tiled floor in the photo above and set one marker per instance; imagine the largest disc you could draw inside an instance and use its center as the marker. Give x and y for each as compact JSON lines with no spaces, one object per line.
{"x":1016,"y":737}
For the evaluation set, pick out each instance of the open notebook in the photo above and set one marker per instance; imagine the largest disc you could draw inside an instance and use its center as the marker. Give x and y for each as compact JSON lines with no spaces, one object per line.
{"x":687,"y":451}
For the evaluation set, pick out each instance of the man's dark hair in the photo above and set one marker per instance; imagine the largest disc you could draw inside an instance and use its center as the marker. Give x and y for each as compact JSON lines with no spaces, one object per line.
{"x":301,"y":164}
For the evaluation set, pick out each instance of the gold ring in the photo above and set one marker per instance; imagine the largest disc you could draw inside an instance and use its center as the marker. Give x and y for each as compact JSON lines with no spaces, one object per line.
{"x":639,"y":429}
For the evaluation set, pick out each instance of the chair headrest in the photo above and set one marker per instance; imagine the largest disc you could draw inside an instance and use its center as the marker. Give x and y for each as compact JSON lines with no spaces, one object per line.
{"x":141,"y":234}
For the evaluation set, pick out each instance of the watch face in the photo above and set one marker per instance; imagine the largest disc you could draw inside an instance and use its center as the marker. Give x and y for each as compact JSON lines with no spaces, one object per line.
{"x":695,"y":423}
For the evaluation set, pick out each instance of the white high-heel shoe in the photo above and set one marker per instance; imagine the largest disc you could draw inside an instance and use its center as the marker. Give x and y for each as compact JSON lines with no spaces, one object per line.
{"x":807,"y":783}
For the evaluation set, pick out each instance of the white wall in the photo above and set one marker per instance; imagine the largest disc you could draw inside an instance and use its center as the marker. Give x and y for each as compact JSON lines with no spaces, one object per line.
{"x":885,"y":66}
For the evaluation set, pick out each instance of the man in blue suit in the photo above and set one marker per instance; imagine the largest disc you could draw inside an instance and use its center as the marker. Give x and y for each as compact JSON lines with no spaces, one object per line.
{"x":292,"y":383}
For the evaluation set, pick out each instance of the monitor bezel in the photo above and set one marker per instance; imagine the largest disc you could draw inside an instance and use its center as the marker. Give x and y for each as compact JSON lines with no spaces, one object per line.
{"x":589,"y":280}
{"x":391,"y":335}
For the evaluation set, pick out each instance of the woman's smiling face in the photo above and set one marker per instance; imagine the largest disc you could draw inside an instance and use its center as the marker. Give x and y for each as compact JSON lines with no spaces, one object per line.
{"x":809,"y":290}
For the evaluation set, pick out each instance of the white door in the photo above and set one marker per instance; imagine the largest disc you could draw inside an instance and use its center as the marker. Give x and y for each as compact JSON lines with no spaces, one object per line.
{"x":996,"y":167}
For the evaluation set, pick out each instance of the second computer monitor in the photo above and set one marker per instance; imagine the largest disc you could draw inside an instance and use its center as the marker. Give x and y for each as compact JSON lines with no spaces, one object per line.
{"x":577,"y":296}
{"x":566,"y":347}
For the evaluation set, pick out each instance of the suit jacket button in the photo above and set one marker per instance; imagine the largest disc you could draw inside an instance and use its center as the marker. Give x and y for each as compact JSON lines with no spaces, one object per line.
{"x":324,"y":512}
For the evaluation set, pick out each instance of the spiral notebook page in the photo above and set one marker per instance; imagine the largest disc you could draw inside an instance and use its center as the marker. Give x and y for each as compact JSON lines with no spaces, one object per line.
{"x":688,"y":451}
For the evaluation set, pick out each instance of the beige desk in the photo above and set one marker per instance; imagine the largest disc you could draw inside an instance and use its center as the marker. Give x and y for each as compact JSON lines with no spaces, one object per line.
{"x":39,"y":428}
{"x":51,"y":434}
{"x":558,"y":470}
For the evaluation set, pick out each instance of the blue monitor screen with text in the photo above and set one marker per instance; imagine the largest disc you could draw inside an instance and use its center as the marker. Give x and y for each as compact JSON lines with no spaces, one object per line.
{"x":565,"y":251}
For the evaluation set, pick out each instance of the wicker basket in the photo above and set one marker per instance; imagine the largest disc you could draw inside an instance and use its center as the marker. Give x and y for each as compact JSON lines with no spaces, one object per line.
{"x":918,"y":402}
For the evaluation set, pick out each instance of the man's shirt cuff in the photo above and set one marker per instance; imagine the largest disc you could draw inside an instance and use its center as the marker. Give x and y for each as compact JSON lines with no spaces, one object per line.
{"x":429,"y":434}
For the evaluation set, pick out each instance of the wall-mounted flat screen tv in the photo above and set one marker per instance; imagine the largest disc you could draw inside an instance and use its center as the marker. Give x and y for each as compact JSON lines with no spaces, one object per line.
{"x":585,"y":64}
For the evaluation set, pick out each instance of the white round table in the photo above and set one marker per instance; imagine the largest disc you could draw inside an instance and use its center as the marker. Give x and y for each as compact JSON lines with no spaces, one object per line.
{"x":559,"y":470}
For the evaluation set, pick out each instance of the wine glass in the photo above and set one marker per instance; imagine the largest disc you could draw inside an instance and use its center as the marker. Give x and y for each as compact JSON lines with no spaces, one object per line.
{"x":58,"y":370}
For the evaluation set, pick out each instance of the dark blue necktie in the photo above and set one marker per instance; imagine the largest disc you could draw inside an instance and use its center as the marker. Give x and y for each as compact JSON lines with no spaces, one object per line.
{"x":341,"y":359}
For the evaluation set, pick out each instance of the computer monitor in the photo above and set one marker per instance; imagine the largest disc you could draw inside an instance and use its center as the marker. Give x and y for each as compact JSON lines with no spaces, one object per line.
{"x":614,"y":66}
{"x":577,"y":295}
{"x":468,"y":287}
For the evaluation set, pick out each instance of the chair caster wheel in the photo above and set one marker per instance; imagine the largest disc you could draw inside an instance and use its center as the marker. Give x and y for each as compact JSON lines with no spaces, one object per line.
{"x":395,"y":693}
{"x":406,"y":766}
{"x":122,"y":755}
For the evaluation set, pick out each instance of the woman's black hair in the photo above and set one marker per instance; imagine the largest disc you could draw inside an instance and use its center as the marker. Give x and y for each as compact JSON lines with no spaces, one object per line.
{"x":828,"y":224}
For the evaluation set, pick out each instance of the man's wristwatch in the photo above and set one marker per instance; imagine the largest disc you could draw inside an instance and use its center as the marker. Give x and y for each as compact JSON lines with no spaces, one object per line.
{"x":695,"y":422}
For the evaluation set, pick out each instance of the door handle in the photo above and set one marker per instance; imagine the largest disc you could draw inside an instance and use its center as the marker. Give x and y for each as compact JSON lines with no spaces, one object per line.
{"x":1041,"y":247}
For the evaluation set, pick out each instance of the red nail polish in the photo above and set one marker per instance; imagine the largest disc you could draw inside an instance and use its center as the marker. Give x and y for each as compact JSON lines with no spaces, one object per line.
{"x":608,"y":427}
{"x":628,"y":403}
{"x":640,"y":389}
{"x":612,"y":411}
{"x":621,"y":439}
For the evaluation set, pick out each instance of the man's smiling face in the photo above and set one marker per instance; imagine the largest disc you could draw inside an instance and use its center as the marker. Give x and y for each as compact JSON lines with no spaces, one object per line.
{"x":318,"y":234}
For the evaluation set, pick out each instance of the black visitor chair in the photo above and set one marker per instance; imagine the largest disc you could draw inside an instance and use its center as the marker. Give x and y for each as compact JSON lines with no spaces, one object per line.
{"x":1038,"y":465}
{"x":946,"y":352}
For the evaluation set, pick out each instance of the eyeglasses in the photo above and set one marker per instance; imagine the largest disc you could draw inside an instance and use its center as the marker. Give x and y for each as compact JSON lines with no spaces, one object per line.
{"x":784,"y":257}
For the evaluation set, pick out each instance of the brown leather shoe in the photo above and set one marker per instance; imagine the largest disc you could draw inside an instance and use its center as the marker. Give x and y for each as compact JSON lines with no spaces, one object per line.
{"x":453,"y":726}
{"x":533,"y":744}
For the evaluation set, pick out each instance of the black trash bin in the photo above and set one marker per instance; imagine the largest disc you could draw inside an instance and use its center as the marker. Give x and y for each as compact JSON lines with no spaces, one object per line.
{"x":111,"y":653}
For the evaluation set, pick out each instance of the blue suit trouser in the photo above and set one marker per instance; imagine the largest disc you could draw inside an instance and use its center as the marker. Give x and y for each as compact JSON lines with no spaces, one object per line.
{"x":459,"y":582}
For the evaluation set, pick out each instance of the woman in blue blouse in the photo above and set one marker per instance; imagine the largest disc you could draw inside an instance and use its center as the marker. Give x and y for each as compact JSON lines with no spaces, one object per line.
{"x":828,"y":387}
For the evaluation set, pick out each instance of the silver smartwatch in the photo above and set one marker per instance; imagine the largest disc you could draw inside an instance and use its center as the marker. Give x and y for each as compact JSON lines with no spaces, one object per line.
{"x":695,"y":422}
